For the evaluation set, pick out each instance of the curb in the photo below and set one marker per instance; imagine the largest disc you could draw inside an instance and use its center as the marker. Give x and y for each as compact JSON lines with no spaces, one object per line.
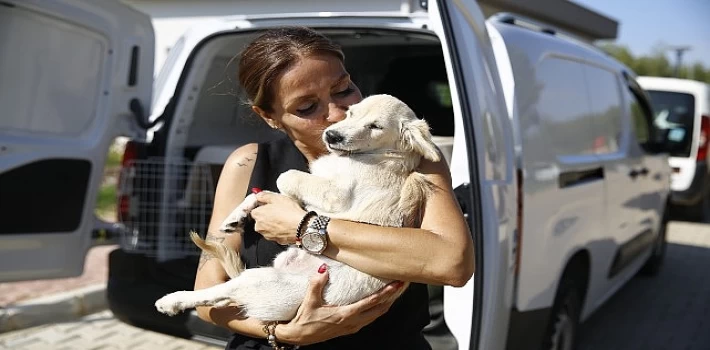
{"x":64,"y":306}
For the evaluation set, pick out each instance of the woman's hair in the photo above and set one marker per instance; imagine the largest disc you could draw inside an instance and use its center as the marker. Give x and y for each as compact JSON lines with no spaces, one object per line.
{"x":266,"y":58}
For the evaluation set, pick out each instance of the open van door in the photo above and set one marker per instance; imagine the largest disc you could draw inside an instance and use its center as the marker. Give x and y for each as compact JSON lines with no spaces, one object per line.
{"x":483,"y":175}
{"x":75,"y":75}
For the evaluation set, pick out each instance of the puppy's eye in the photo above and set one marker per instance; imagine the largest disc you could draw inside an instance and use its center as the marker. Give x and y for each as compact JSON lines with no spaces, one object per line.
{"x":374,"y":126}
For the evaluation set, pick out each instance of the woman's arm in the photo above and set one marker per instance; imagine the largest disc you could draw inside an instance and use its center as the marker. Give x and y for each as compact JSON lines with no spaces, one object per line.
{"x":231,"y":187}
{"x":314,"y":321}
{"x":439,"y":252}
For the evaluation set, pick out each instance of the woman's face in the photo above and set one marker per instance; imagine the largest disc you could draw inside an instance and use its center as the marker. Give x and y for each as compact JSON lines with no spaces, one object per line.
{"x":309,"y":97}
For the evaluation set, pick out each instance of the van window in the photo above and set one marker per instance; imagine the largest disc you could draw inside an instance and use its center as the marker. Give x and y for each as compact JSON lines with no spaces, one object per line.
{"x":675,"y":110}
{"x":642,"y":121}
{"x":55,"y":70}
{"x":417,"y":76}
{"x":563,"y":108}
{"x":605,"y":106}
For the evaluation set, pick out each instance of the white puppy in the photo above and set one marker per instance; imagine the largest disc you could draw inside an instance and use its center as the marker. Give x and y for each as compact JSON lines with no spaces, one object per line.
{"x":368,"y":176}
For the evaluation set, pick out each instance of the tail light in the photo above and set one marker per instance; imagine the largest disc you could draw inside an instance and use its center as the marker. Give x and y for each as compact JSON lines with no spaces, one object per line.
{"x":703,"y":138}
{"x":519,"y":223}
{"x":124,"y":180}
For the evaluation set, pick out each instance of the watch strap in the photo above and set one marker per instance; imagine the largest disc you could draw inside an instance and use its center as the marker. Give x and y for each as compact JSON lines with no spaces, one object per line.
{"x":320,"y":223}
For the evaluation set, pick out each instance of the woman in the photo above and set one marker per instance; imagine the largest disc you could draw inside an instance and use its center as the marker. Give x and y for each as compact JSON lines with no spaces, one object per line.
{"x":296,"y":82}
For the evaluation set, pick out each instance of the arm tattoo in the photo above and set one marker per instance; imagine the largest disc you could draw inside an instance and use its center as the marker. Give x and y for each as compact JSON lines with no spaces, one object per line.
{"x":246,"y":160}
{"x":206,"y":256}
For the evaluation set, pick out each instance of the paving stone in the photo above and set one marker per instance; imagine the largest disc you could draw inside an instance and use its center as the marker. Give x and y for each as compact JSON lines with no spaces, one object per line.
{"x":95,"y":332}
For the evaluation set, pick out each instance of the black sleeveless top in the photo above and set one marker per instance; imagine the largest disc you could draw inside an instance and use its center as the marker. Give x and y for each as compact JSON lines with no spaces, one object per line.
{"x":400,"y":328}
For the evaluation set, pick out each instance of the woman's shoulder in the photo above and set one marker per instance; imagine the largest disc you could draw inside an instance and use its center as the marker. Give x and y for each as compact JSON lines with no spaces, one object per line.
{"x":244,"y":151}
{"x":241,"y":161}
{"x":278,"y":156}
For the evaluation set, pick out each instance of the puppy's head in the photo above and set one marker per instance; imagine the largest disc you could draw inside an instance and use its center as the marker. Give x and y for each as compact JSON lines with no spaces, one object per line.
{"x":380,"y":123}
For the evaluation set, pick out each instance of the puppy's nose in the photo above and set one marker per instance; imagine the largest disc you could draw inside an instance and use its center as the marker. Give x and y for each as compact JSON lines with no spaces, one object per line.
{"x":333,"y":137}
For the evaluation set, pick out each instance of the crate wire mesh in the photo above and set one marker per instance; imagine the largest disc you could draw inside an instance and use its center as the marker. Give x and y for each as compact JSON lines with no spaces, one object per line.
{"x":164,"y":200}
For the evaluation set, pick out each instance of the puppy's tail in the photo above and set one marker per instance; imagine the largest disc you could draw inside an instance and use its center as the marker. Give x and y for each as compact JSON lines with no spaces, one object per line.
{"x":229,"y":259}
{"x":414,"y":194}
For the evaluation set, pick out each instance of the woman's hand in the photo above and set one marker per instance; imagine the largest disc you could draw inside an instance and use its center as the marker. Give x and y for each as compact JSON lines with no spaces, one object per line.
{"x":316,"y":322}
{"x":277,"y":217}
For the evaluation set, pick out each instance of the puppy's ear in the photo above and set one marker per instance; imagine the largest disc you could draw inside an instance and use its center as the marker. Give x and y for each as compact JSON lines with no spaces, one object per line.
{"x":416,"y":137}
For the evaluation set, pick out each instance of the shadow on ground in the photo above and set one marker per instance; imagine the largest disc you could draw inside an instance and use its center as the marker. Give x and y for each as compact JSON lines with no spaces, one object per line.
{"x":670,"y":311}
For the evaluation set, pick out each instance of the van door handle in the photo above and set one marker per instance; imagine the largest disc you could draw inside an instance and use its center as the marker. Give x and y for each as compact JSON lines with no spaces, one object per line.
{"x":636,"y":173}
{"x":463,"y":194}
{"x":578,"y":177}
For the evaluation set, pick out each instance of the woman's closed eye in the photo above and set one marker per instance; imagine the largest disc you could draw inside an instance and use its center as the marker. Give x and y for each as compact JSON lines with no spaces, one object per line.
{"x":346,"y":92}
{"x":308,"y":109}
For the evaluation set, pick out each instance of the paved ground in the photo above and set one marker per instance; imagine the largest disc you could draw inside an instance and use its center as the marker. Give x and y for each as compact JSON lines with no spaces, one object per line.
{"x":95,"y":332}
{"x":667,"y":312}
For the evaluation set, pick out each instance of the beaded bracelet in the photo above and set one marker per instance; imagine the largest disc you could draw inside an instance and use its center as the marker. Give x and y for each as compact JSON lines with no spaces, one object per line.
{"x":270,"y":330}
{"x":303,"y":223}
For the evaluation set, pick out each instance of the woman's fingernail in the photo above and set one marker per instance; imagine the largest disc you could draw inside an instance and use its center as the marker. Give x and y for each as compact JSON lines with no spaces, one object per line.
{"x":256,"y":190}
{"x":322,"y":268}
{"x":398,"y":284}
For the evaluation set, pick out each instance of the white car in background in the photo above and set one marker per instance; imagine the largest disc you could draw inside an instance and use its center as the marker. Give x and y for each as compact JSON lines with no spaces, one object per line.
{"x":682,"y":108}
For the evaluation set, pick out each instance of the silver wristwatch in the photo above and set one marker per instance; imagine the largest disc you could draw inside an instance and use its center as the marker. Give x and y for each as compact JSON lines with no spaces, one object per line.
{"x":315,"y":239}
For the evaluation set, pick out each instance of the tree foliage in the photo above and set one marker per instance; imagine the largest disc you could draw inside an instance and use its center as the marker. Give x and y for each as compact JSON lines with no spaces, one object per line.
{"x":657,"y":64}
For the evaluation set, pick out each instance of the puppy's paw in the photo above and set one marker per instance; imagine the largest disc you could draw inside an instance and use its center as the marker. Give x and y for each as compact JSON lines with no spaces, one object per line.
{"x":238,"y":216}
{"x":171,"y":304}
{"x":232,"y":223}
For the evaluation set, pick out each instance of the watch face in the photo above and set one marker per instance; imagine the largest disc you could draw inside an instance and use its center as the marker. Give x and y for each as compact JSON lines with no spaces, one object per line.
{"x":313,"y":242}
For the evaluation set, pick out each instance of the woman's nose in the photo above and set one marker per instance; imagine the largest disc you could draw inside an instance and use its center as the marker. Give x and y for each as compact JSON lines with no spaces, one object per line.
{"x":336,"y":112}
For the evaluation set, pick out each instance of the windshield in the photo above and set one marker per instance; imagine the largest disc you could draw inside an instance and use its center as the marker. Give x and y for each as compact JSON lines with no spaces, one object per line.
{"x":675,"y":110}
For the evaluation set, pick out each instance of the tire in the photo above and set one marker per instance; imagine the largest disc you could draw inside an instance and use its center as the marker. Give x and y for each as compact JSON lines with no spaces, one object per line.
{"x":654,"y":263}
{"x":700,"y":212}
{"x":563,"y":328}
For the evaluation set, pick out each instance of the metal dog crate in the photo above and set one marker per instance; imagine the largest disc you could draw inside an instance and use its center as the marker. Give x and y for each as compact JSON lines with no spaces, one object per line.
{"x":162,"y":201}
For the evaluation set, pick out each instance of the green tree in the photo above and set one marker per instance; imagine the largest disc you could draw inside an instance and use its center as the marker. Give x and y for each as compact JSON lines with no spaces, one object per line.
{"x":656,"y":64}
{"x":621,"y":53}
{"x":700,"y":73}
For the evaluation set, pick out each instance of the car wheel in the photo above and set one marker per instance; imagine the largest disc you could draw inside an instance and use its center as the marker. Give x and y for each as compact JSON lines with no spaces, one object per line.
{"x":701,"y":211}
{"x":563,"y":327}
{"x":655,"y":261}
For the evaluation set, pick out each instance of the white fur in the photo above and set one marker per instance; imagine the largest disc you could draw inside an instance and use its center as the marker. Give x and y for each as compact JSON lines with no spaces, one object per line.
{"x":368,"y":176}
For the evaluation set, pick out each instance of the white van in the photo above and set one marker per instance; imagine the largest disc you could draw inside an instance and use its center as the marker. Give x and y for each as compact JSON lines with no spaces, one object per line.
{"x":683,"y":108}
{"x":553,"y":152}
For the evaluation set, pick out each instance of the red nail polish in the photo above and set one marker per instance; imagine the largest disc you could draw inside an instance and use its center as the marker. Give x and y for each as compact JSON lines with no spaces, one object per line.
{"x":256,"y":190}
{"x":398,"y":284}
{"x":322,"y":268}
